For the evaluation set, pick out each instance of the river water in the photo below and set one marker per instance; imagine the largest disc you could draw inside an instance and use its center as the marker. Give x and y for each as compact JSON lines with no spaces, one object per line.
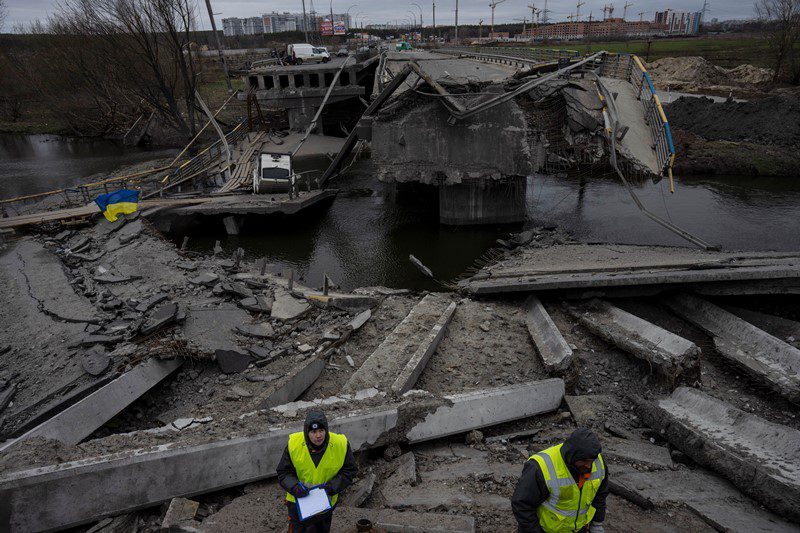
{"x":364,"y":237}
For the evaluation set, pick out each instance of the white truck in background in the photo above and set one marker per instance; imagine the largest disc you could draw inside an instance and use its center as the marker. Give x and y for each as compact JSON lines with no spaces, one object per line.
{"x":301,"y":53}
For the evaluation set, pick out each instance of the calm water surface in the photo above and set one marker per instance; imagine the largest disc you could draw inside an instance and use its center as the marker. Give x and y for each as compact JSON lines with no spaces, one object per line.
{"x":364,"y":237}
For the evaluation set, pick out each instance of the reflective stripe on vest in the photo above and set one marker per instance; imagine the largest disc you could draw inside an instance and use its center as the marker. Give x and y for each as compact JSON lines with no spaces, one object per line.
{"x":330,"y":464}
{"x":557,"y":476}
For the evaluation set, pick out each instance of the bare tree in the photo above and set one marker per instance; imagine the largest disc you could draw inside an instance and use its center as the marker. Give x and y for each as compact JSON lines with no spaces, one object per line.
{"x":781,"y":20}
{"x":131,"y":54}
{"x":3,"y":13}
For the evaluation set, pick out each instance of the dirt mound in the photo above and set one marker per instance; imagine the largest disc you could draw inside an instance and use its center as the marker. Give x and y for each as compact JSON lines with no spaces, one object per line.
{"x":687,"y":69}
{"x":774,"y":120}
{"x":691,"y":72}
{"x":751,"y":75}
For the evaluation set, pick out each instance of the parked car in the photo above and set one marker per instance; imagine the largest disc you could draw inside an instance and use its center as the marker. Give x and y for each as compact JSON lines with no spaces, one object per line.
{"x":300,"y":53}
{"x":402,"y":45}
{"x":343,"y":52}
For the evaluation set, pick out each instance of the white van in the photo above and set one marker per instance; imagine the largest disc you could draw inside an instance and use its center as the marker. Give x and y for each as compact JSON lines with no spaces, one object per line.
{"x":273,"y":173}
{"x":306,"y":52}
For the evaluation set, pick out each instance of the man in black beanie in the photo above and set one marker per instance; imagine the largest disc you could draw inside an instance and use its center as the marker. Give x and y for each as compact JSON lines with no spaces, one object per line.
{"x":314,"y":457}
{"x":563,"y":488}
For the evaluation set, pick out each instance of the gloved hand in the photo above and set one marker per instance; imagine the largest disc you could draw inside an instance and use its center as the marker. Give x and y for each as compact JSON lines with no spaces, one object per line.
{"x":595,"y":527}
{"x":300,"y":490}
{"x":328,"y":489}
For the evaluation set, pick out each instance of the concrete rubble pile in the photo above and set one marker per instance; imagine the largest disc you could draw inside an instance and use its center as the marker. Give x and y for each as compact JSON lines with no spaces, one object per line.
{"x":160,"y":387}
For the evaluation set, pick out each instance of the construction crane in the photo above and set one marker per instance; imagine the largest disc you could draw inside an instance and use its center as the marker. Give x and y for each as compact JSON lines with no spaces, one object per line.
{"x":480,"y":31}
{"x":493,"y":5}
{"x":578,"y":13}
{"x":625,"y":10}
{"x":641,"y":15}
{"x":534,"y":19}
{"x":524,"y":20}
{"x":608,"y":10}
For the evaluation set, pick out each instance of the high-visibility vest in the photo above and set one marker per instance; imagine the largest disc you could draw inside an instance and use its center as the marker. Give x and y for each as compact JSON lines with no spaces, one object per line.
{"x":330,"y":464}
{"x":568,"y":508}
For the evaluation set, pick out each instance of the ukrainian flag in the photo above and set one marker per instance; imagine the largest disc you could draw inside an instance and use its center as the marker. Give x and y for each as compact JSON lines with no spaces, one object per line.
{"x":121,"y":202}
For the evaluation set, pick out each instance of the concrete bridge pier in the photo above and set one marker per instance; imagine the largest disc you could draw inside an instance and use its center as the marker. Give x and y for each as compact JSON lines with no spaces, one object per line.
{"x":483,"y":201}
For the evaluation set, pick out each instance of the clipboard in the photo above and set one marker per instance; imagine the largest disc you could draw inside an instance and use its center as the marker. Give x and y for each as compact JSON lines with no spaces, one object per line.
{"x":317,"y":502}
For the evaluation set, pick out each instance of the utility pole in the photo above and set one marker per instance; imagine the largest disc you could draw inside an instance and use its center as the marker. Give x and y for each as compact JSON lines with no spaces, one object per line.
{"x":456,"y":21}
{"x":625,"y":10}
{"x":305,"y":20}
{"x":219,"y":46}
{"x":494,"y":5}
{"x":434,"y":19}
{"x":333,"y":29}
{"x":480,"y":31}
{"x":545,"y":11}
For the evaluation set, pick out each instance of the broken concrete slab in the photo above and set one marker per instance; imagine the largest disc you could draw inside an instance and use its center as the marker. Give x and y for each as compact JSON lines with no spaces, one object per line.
{"x":360,"y":319}
{"x":286,"y":307}
{"x":761,"y":458}
{"x":110,"y":278}
{"x":359,"y":491}
{"x":236,"y":289}
{"x":233,"y":361}
{"x":671,"y":355}
{"x":151,"y":302}
{"x":49,"y":286}
{"x":410,"y":373}
{"x":78,"y":492}
{"x":262,"y":330}
{"x":637,"y":452}
{"x":765,"y":357}
{"x":81,"y":419}
{"x":716,"y":501}
{"x":553,"y":349}
{"x":389,"y":359}
{"x":180,"y":511}
{"x":207,"y":279}
{"x":257,"y":304}
{"x":161,"y":317}
{"x":405,"y":470}
{"x":211,"y":328}
{"x":130,"y":231}
{"x":91,"y":340}
{"x":293,"y":384}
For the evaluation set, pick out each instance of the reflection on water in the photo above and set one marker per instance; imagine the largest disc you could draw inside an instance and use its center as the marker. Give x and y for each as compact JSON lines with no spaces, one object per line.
{"x":737,"y":213}
{"x":364,"y":237}
{"x":39,"y":163}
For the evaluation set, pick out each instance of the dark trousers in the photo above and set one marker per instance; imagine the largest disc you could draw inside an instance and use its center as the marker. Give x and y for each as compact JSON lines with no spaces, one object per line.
{"x":316,"y":524}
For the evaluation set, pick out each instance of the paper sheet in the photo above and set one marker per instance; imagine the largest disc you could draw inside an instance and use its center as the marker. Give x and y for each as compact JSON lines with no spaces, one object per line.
{"x":315,"y":503}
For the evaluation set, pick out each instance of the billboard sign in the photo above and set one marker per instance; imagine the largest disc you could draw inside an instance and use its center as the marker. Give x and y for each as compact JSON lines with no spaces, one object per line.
{"x":339,"y":28}
{"x":326,"y":28}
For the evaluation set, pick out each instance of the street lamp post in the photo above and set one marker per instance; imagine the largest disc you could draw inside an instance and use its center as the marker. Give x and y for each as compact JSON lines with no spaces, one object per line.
{"x":348,"y":13}
{"x":420,"y":17}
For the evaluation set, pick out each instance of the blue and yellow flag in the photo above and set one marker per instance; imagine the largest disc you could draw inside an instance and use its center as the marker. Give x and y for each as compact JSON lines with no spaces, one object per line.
{"x":121,"y":202}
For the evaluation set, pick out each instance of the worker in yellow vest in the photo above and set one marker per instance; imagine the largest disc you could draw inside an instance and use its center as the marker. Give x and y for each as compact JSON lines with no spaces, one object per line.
{"x":315,"y":457}
{"x":563,"y":488}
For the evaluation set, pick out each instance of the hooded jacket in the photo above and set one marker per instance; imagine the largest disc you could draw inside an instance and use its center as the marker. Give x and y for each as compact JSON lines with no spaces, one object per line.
{"x":287,"y":475}
{"x":532,"y":491}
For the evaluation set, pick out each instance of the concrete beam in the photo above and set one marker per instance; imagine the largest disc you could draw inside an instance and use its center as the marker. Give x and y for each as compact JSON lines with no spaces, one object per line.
{"x":759,"y":457}
{"x":83,"y":418}
{"x":389,"y":359}
{"x":765,"y":357}
{"x":553,"y":349}
{"x":292,"y":385}
{"x":670,"y":354}
{"x":410,"y":374}
{"x":581,"y":280}
{"x":74,"y":493}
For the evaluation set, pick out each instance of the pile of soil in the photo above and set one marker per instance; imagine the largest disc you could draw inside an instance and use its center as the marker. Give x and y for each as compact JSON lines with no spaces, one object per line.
{"x":695,"y":72}
{"x":774,"y":120}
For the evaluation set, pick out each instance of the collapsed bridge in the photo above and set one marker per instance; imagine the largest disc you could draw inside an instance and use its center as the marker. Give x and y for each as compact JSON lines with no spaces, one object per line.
{"x":476,"y":125}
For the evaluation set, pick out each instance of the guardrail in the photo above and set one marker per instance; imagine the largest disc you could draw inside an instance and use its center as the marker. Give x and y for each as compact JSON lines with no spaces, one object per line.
{"x":537,"y":55}
{"x":654,"y":116}
{"x":208,"y":156}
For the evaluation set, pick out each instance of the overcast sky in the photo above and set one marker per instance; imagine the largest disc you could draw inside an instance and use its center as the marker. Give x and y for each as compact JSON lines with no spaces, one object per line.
{"x":381,"y":11}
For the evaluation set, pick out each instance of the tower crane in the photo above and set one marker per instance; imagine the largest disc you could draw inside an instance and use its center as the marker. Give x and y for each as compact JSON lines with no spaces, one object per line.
{"x":578,"y":12}
{"x":625,"y":9}
{"x":493,"y":5}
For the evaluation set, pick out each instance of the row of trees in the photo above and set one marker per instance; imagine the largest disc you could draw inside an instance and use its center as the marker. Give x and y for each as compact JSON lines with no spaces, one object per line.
{"x":100,"y":63}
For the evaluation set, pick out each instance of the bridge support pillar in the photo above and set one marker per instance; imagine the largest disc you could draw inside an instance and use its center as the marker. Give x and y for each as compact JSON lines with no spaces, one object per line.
{"x":483,"y":201}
